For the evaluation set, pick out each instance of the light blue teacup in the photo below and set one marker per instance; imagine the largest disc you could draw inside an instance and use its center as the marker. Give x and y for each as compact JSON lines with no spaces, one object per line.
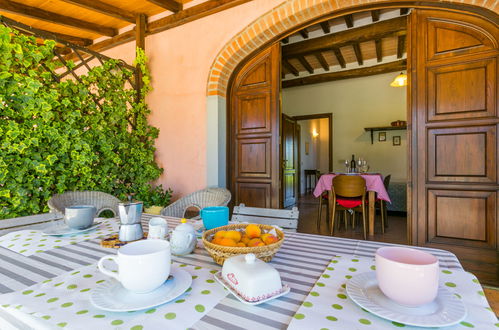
{"x":215,"y":216}
{"x":79,"y":216}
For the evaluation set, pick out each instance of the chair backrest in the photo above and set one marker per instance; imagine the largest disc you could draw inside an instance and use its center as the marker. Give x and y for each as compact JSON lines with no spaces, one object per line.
{"x":198,"y":199}
{"x":386,"y":181}
{"x":349,"y":185}
{"x":287,"y":219}
{"x":100,"y":200}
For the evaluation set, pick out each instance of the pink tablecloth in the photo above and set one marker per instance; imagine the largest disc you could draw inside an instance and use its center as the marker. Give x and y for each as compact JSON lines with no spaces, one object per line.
{"x":374,"y":182}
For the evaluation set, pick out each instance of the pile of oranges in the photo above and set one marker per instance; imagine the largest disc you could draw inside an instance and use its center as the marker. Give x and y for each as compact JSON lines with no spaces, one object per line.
{"x":251,"y":236}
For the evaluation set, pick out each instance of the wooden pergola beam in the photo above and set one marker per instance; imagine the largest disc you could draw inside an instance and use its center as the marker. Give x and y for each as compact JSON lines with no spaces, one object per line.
{"x":33,"y":12}
{"x":105,"y":9}
{"x":394,"y":26}
{"x":322,"y":61}
{"x":303,"y":61}
{"x":289,"y":67}
{"x":346,"y":74}
{"x":182,"y":17}
{"x":170,"y":5}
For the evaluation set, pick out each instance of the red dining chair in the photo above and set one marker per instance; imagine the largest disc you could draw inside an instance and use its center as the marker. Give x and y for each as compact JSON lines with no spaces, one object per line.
{"x":348,"y":192}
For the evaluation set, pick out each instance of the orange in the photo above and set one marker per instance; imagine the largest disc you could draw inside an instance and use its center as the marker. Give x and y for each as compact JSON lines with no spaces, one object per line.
{"x":233,"y":234}
{"x":227,"y":242}
{"x":216,"y":240}
{"x":269,"y":239}
{"x":241,"y":244}
{"x":220,"y":234}
{"x":245,"y":239}
{"x":253,"y":231}
{"x":255,"y":242}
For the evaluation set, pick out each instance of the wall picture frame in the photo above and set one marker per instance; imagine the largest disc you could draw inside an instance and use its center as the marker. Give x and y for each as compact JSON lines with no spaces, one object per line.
{"x":382,"y":136}
{"x":396,"y":140}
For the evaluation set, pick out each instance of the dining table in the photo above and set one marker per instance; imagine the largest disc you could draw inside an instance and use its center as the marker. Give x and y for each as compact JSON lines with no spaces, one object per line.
{"x":39,"y":288}
{"x":374,"y":187}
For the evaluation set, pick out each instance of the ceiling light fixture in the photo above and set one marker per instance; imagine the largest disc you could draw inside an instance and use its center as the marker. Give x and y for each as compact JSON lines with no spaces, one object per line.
{"x":400,"y":80}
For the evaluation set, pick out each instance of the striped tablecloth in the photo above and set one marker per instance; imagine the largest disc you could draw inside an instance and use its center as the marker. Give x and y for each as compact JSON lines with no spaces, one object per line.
{"x":300,"y":261}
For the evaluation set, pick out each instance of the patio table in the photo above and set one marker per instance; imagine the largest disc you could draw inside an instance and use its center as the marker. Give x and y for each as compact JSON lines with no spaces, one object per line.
{"x":374,"y":185}
{"x":301,"y":262}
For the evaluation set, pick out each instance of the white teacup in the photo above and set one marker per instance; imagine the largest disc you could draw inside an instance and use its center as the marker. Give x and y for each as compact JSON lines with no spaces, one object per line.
{"x":158,"y":227}
{"x":407,"y":276}
{"x":142,"y":266}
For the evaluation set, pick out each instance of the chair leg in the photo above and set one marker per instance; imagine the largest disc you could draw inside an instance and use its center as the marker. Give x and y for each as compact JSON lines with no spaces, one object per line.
{"x":382,"y":211}
{"x":328,"y":216}
{"x":385,"y":209}
{"x":353,"y":220}
{"x":333,"y":216}
{"x":364,"y":221}
{"x":319,"y":219}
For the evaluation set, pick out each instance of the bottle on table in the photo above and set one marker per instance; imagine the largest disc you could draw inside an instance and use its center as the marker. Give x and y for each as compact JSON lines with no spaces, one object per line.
{"x":353,"y":165}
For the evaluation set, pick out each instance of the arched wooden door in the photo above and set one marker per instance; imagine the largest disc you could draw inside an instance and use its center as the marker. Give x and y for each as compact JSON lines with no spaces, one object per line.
{"x":455,"y":164}
{"x":254,"y":131}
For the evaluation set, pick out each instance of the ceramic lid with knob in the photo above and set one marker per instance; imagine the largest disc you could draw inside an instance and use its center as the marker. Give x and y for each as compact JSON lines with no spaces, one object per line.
{"x":251,"y":278}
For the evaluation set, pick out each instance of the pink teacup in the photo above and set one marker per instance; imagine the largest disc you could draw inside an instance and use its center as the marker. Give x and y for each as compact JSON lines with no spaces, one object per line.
{"x":407,"y":276}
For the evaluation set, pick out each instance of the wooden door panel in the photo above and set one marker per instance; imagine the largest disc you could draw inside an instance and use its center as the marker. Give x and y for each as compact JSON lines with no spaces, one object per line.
{"x":454,"y":99}
{"x":253,"y":113}
{"x":254,"y":158}
{"x":464,"y":218}
{"x":254,"y":194}
{"x":289,"y":161}
{"x":448,"y":37}
{"x":462,"y":154}
{"x":254,"y":131}
{"x":462,"y":91}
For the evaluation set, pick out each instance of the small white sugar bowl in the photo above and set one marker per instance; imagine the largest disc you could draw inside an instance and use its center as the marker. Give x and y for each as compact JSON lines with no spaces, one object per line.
{"x":252,"y":279}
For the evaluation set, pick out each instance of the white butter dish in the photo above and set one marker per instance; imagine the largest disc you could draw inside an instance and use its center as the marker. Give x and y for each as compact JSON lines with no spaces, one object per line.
{"x":251,"y":280}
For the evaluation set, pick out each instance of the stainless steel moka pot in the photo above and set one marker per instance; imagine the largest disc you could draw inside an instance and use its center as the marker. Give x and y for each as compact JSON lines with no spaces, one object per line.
{"x":130,"y":214}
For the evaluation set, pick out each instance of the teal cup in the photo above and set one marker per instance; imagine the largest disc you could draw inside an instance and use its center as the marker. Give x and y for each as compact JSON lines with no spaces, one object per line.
{"x":215,"y":216}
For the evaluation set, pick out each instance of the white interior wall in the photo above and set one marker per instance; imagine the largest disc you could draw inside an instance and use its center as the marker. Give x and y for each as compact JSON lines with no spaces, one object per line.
{"x":355,"y":104}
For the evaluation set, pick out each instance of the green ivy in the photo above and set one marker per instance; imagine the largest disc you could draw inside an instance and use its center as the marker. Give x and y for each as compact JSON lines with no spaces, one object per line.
{"x":55,"y":138}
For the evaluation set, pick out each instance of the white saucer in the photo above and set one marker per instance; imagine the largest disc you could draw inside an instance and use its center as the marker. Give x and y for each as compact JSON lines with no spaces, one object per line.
{"x":63,"y":230}
{"x":444,"y":311}
{"x":113,"y":297}
{"x":218,"y":276}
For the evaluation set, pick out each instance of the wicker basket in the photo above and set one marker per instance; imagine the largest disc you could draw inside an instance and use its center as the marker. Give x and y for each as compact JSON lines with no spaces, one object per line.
{"x":219,"y":252}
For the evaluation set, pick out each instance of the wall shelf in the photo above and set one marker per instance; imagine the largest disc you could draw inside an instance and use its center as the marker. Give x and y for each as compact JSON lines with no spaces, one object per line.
{"x":383,"y":128}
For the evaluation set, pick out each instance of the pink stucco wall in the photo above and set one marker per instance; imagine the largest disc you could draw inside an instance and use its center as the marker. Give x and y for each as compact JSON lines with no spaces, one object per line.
{"x":180,"y":60}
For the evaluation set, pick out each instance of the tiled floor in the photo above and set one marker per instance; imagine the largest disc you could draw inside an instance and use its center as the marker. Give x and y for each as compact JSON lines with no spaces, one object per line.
{"x":396,"y":232}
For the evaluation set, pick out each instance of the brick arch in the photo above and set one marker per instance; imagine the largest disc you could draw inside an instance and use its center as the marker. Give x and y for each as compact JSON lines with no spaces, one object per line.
{"x":288,"y":15}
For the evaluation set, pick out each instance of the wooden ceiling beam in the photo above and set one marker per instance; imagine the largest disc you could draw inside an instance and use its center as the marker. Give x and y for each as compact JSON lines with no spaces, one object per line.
{"x":170,"y":5}
{"x":325,"y":27}
{"x":379,"y":50}
{"x":394,"y":26}
{"x":400,"y":46}
{"x":404,"y":11}
{"x":33,"y":12}
{"x":375,"y":15}
{"x":305,"y":64}
{"x":339,"y":57}
{"x":304,"y":33}
{"x":285,"y":40}
{"x":290,"y":67}
{"x":358,"y":53}
{"x":346,"y":74}
{"x":349,"y":20}
{"x":105,"y":9}
{"x":322,"y":61}
{"x":169,"y":22}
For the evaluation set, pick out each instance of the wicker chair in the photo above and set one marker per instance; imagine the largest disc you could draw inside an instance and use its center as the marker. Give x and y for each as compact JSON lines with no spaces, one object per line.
{"x":199,"y":199}
{"x":100,"y":200}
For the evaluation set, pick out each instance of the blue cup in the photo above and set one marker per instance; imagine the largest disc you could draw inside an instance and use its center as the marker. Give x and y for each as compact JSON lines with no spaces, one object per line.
{"x":215,"y":216}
